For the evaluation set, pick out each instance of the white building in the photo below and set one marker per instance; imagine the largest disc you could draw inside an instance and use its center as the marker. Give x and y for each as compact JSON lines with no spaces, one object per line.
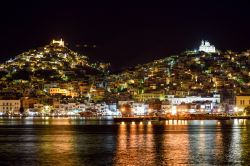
{"x":206,"y":47}
{"x":190,"y":99}
{"x":112,"y":110}
{"x":205,"y":104}
{"x":71,"y":108}
{"x":139,"y":108}
{"x":10,"y":106}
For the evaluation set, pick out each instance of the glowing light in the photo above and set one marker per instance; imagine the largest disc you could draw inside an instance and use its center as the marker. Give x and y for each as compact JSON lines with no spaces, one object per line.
{"x":173,"y":110}
{"x":149,"y":122}
{"x":206,"y":47}
{"x":59,"y":42}
{"x":122,"y":123}
{"x":133,"y":123}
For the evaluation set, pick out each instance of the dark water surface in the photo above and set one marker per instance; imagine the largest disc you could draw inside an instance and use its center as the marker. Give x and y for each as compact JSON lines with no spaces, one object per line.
{"x":79,"y":142}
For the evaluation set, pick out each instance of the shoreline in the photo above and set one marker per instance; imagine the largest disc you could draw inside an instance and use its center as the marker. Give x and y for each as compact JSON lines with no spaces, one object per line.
{"x":130,"y":119}
{"x":138,"y":119}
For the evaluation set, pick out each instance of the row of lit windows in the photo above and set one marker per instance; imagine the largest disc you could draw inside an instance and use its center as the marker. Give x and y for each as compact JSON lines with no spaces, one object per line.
{"x":9,"y":103}
{"x":54,"y":90}
{"x":242,"y":102}
{"x":9,"y":108}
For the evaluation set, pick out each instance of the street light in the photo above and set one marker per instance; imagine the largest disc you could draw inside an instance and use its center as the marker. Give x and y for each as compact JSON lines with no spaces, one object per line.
{"x":149,"y":111}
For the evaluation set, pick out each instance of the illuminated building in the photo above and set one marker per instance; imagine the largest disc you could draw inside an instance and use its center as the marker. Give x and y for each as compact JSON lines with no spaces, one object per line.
{"x":242,"y":101}
{"x":10,"y":106}
{"x":206,"y":47}
{"x":150,"y":96}
{"x":58,"y":42}
{"x":139,"y":108}
{"x":64,"y":92}
{"x":54,"y":91}
{"x":189,"y":99}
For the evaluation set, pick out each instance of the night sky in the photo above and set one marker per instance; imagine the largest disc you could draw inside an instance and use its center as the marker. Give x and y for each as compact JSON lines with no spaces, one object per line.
{"x":125,"y":32}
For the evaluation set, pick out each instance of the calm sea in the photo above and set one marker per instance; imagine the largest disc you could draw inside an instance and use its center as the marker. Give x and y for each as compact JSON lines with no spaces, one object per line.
{"x":80,"y":142}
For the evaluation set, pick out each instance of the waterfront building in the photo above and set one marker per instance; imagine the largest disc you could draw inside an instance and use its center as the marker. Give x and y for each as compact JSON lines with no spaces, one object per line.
{"x":166,"y":107}
{"x":190,"y":99}
{"x":139,"y":108}
{"x":28,"y":103}
{"x":38,"y":107}
{"x":112,"y":110}
{"x":242,"y":102}
{"x":192,"y":104}
{"x":10,"y":106}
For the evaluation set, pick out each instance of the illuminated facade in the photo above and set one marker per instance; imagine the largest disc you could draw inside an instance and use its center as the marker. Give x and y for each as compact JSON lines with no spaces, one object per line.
{"x":242,"y":101}
{"x":149,"y":96}
{"x":140,"y":108}
{"x":189,"y":99}
{"x":206,"y":47}
{"x":64,"y":92}
{"x":59,"y":42}
{"x":10,"y":106}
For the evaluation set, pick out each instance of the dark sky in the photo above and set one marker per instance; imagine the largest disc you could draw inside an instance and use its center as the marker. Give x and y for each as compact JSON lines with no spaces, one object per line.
{"x":125,"y":32}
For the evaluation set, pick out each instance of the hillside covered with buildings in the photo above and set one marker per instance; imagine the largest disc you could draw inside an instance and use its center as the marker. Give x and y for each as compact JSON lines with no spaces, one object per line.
{"x":55,"y":78}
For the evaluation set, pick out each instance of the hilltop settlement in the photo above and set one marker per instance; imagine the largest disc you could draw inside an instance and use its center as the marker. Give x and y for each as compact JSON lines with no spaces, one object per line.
{"x":55,"y":81}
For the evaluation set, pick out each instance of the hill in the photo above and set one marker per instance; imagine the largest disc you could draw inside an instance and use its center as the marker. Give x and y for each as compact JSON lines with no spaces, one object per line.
{"x":53,"y":62}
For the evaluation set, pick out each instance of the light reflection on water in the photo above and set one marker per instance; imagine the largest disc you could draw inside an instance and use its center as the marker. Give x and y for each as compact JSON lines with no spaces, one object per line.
{"x":67,"y":141}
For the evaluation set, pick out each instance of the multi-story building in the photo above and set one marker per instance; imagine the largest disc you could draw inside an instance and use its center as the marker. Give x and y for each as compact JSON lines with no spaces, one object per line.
{"x":10,"y":106}
{"x":150,"y":96}
{"x":190,"y":99}
{"x":242,"y":102}
{"x":29,"y":102}
{"x":139,"y":108}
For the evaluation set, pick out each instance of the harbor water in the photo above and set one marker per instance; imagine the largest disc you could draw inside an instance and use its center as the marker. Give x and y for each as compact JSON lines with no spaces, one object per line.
{"x":66,"y":141}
